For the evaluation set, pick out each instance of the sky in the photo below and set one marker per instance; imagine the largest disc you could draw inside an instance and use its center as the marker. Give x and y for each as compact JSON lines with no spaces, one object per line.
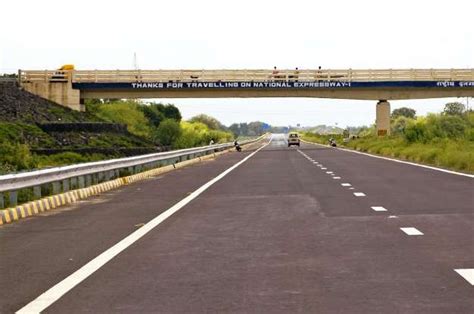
{"x":245,"y":34}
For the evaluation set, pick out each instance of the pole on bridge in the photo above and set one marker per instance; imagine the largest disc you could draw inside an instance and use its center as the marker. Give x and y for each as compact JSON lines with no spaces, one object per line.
{"x":382,"y":121}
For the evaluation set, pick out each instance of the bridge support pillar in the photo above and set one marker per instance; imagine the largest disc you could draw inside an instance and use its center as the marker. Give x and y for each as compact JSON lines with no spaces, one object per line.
{"x":382,"y":120}
{"x":61,"y":93}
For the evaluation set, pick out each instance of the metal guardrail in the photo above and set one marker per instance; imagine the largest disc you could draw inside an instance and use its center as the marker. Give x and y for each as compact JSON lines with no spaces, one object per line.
{"x":86,"y":174}
{"x":348,"y":75}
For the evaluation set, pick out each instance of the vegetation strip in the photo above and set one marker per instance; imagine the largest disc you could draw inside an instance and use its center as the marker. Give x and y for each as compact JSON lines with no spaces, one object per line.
{"x":443,"y":140}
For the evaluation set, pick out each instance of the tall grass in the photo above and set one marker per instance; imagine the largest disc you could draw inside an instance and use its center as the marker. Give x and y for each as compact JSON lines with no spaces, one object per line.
{"x":439,"y":140}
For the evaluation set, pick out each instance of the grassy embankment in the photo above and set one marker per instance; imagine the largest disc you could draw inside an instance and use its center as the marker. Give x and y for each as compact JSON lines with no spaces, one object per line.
{"x":149,"y":126}
{"x":438,"y":140}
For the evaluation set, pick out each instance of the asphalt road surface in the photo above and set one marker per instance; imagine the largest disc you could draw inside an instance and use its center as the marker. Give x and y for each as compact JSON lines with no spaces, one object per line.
{"x":289,"y":230}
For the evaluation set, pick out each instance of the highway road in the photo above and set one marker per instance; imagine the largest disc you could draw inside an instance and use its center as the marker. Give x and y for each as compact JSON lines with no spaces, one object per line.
{"x":286,"y":230}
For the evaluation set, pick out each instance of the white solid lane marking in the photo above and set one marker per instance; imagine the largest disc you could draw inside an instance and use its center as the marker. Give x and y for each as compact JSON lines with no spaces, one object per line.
{"x":61,"y":288}
{"x":379,"y":208}
{"x":336,"y":178}
{"x":345,"y":184}
{"x":359,"y":194}
{"x":466,"y":273}
{"x":411,"y":231}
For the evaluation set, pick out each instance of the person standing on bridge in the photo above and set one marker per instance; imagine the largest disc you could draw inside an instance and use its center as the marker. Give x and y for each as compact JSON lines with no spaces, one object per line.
{"x":319,"y":74}
{"x":274,"y":73}
{"x":296,"y":74}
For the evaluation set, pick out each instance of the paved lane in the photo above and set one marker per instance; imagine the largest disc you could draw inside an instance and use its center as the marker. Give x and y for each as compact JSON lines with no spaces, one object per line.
{"x":40,"y":251}
{"x":280,"y":234}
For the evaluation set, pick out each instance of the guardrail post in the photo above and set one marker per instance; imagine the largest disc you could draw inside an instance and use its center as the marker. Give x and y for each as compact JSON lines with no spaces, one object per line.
{"x":13,"y":198}
{"x":56,"y":188}
{"x":98,"y":177}
{"x":37,"y":192}
{"x":65,"y":185}
{"x":2,"y":201}
{"x":88,"y":180}
{"x":74,"y":183}
{"x":82,"y":182}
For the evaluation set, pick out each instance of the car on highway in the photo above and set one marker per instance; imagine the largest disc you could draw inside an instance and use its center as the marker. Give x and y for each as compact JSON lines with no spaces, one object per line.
{"x":293,"y":139}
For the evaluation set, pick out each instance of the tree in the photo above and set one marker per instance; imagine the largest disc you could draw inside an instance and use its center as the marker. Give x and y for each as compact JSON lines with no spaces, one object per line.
{"x":454,"y":109}
{"x":399,"y":125}
{"x":171,"y":112}
{"x":404,"y":112}
{"x":167,"y":132}
{"x":153,"y":114}
{"x":159,"y":112}
{"x":256,"y":128}
{"x":211,"y":122}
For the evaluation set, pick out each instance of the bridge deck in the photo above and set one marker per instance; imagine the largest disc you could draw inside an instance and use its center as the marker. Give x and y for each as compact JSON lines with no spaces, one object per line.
{"x":345,"y":75}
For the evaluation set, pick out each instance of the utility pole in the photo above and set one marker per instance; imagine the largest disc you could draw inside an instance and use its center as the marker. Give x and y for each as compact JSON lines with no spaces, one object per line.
{"x":135,"y":62}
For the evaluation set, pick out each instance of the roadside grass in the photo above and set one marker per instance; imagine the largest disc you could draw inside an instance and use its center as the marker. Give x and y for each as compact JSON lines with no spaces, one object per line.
{"x":445,"y":153}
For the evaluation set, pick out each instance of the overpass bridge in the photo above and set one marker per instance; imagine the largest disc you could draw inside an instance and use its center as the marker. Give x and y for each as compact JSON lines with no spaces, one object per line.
{"x":70,"y":88}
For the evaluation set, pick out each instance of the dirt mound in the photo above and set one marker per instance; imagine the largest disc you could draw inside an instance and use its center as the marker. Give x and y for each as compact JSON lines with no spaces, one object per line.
{"x":17,"y":105}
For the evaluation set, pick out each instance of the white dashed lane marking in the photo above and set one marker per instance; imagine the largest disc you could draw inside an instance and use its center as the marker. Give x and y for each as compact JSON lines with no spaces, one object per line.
{"x":324,"y":168}
{"x":467,"y":273}
{"x":336,"y":178}
{"x":359,"y":194}
{"x":411,"y":231}
{"x":329,"y":172}
{"x":379,"y":208}
{"x":345,"y":184}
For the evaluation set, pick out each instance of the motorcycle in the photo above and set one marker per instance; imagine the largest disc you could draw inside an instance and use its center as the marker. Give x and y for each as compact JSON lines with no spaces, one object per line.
{"x":237,"y":146}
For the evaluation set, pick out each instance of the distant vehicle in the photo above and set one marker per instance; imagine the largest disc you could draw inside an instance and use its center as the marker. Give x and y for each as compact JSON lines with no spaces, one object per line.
{"x":293,"y":139}
{"x":237,"y":146}
{"x":61,"y":74}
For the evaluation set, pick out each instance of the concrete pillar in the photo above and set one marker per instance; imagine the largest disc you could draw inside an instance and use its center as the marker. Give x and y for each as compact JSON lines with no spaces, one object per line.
{"x":59,"y":92}
{"x":382,"y":121}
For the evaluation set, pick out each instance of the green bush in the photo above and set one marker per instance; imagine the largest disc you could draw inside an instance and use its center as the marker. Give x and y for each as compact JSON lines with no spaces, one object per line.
{"x":168,"y":132}
{"x":15,"y":157}
{"x":416,"y":131}
{"x":198,"y":134}
{"x":127,"y":112}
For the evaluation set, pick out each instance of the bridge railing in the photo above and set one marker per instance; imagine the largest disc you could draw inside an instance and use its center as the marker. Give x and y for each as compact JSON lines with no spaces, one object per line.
{"x":61,"y":179}
{"x":349,"y":75}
